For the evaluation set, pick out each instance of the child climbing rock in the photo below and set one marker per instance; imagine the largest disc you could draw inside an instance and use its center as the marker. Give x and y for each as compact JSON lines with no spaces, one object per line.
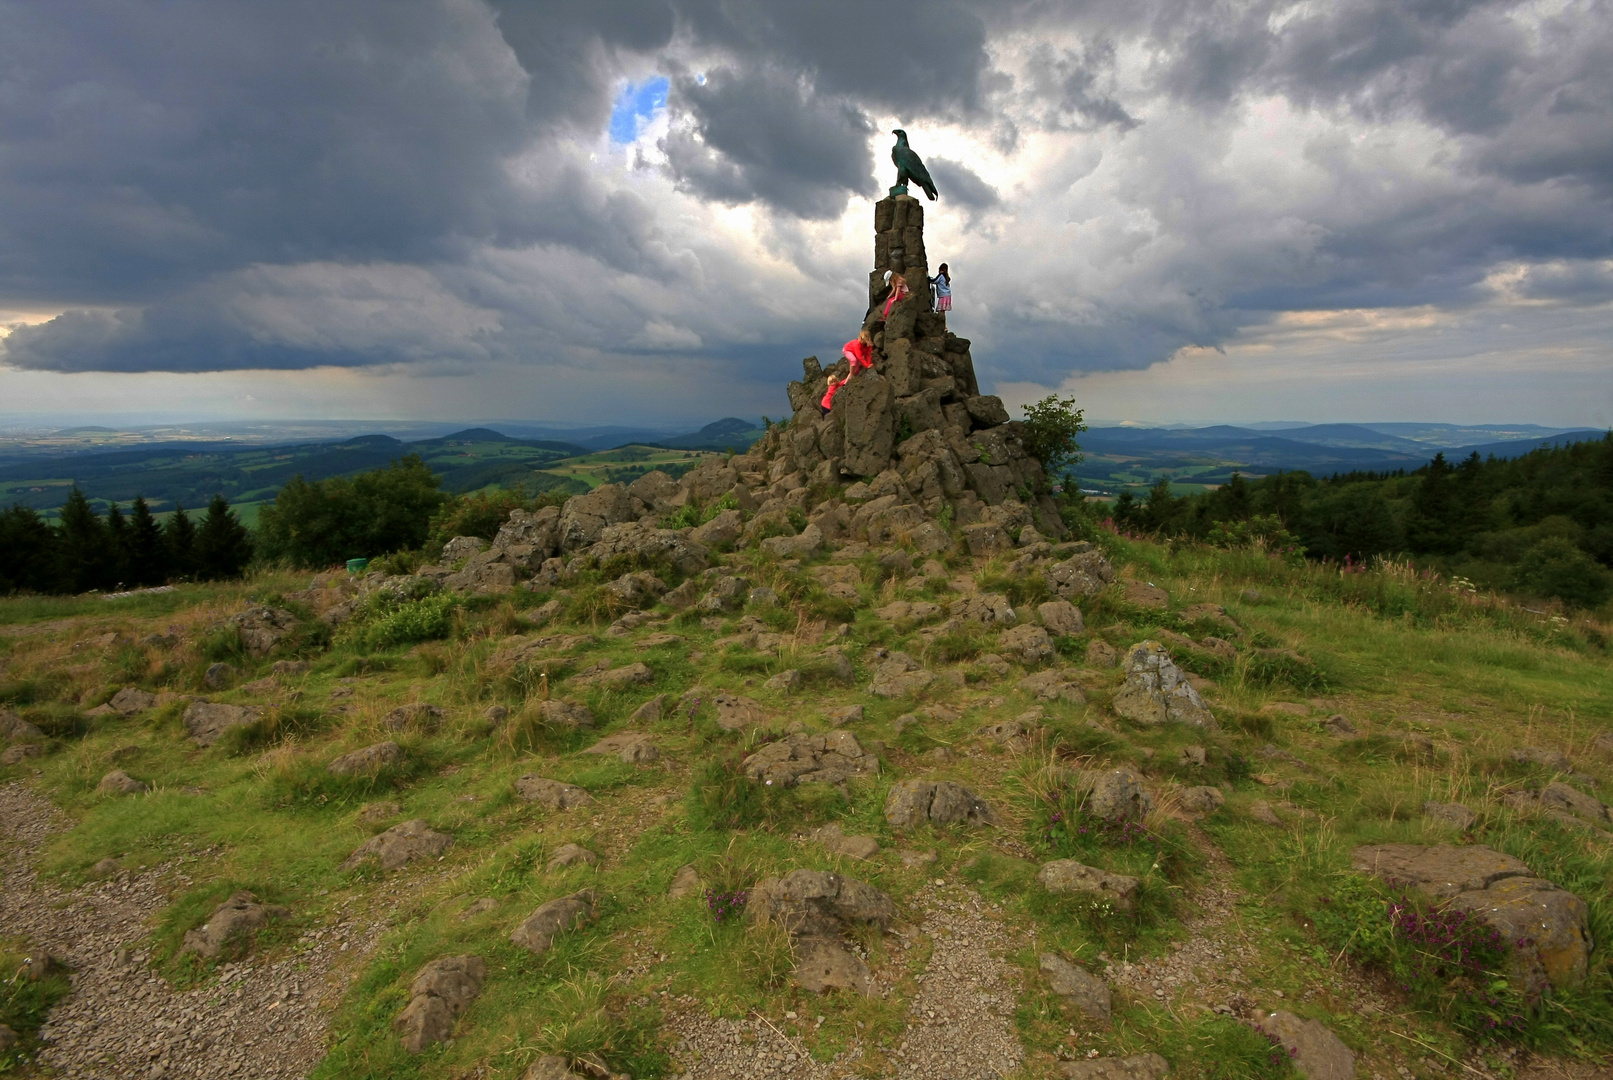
{"x":859,"y":353}
{"x":895,"y":290}
{"x":941,"y":290}
{"x":835,"y":383}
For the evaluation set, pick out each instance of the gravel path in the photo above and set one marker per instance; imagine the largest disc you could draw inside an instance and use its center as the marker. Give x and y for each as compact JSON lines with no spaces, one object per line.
{"x":960,"y":1023}
{"x":262,"y":1018}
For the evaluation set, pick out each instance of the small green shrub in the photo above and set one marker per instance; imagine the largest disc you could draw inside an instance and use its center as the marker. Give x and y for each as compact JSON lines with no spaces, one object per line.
{"x":386,"y":620}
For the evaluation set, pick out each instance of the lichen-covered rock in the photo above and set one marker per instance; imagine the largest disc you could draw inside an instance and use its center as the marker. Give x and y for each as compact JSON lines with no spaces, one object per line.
{"x":440,"y":992}
{"x":1083,"y":574}
{"x":262,"y":628}
{"x":403,"y":843}
{"x":1114,"y":795}
{"x":370,"y":759}
{"x":551,"y":793}
{"x":206,"y":721}
{"x":817,"y":903}
{"x":1070,"y":876}
{"x":912,"y":803}
{"x":230,"y":930}
{"x":565,"y":714}
{"x":1551,"y":923}
{"x":804,"y":758}
{"x":14,"y":728}
{"x":1202,"y":800}
{"x":537,"y":931}
{"x":632,"y":747}
{"x":1157,"y":691}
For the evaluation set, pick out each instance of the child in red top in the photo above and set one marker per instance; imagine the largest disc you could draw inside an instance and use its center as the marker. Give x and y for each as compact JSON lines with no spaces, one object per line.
{"x":859,"y":352}
{"x":829,"y":395}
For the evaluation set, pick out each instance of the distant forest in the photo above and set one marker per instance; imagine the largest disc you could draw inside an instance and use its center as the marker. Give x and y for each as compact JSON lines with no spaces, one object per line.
{"x":85,"y":551}
{"x":1540,"y":524}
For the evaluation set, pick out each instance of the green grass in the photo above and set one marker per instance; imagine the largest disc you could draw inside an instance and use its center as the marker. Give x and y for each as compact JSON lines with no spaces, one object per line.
{"x":1393,"y":654}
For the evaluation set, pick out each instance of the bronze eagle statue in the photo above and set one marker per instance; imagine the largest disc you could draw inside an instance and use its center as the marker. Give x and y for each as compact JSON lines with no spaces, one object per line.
{"x":909,"y":166}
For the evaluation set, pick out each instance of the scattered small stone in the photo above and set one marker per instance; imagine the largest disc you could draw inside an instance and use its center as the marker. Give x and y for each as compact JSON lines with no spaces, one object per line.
{"x":118,"y":782}
{"x":567,"y":855}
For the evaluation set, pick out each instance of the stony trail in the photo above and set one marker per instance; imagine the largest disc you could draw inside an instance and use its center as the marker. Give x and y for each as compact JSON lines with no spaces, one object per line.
{"x":264,"y":1018}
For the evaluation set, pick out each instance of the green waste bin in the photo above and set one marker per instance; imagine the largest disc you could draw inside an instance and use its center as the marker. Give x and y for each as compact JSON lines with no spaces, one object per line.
{"x":357,"y":566}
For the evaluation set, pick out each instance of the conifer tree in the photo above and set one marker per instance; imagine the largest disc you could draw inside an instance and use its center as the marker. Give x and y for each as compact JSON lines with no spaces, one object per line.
{"x":82,"y":552}
{"x":179,"y":537}
{"x":223,"y":545}
{"x":148,"y":557}
{"x":27,"y":551}
{"x":117,"y":547}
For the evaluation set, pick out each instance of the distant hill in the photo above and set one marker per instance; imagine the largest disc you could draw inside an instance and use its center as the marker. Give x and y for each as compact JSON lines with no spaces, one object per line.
{"x":730,"y":432}
{"x":1127,"y":458}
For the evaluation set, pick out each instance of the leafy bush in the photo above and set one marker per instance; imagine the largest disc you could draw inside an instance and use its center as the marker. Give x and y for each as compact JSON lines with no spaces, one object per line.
{"x":1556,"y":568}
{"x":385,"y":619}
{"x":1051,"y":427}
{"x":483,"y":513}
{"x":1448,"y":961}
{"x":330,"y":521}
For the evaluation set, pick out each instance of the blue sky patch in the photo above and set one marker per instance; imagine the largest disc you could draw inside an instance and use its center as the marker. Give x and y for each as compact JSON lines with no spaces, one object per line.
{"x":635,"y":106}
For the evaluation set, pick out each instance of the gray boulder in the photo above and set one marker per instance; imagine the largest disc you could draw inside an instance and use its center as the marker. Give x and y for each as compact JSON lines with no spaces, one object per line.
{"x":1088,"y":993}
{"x":551,"y":793}
{"x":1062,"y":618}
{"x":912,"y":803}
{"x":1548,"y":926}
{"x":584,"y":517}
{"x":130,"y":700}
{"x":230,"y":930}
{"x":440,"y":992}
{"x":14,"y":728}
{"x":262,"y":628}
{"x":1317,"y":1053}
{"x":416,"y":716}
{"x":1135,"y":1067}
{"x":1070,"y":876}
{"x":370,"y":759}
{"x":118,"y":782}
{"x":538,"y":931}
{"x":1083,"y":574}
{"x":406,"y":842}
{"x":1157,"y":691}
{"x":804,"y":758}
{"x":207,"y":721}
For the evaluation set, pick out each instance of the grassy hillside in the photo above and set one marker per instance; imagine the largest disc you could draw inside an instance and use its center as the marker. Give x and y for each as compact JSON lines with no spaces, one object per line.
{"x":1439,"y":684}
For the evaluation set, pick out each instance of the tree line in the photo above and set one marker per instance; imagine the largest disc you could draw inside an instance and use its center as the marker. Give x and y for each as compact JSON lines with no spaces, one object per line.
{"x":1541,"y":523}
{"x":84,"y":551}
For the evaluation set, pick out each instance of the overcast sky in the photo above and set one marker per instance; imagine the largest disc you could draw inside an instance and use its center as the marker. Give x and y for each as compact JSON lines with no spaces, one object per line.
{"x":650,"y":210}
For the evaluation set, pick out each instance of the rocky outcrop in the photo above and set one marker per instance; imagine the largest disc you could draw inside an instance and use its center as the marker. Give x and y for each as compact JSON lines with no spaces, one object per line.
{"x":262,"y":628}
{"x":1547,"y":926}
{"x":918,"y":416}
{"x":1070,"y":876}
{"x":1317,"y":1053}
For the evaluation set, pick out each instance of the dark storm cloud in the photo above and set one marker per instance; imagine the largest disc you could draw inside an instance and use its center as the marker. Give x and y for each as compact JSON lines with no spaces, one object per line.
{"x":957,"y":183}
{"x":215,"y":184}
{"x":767,"y":135}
